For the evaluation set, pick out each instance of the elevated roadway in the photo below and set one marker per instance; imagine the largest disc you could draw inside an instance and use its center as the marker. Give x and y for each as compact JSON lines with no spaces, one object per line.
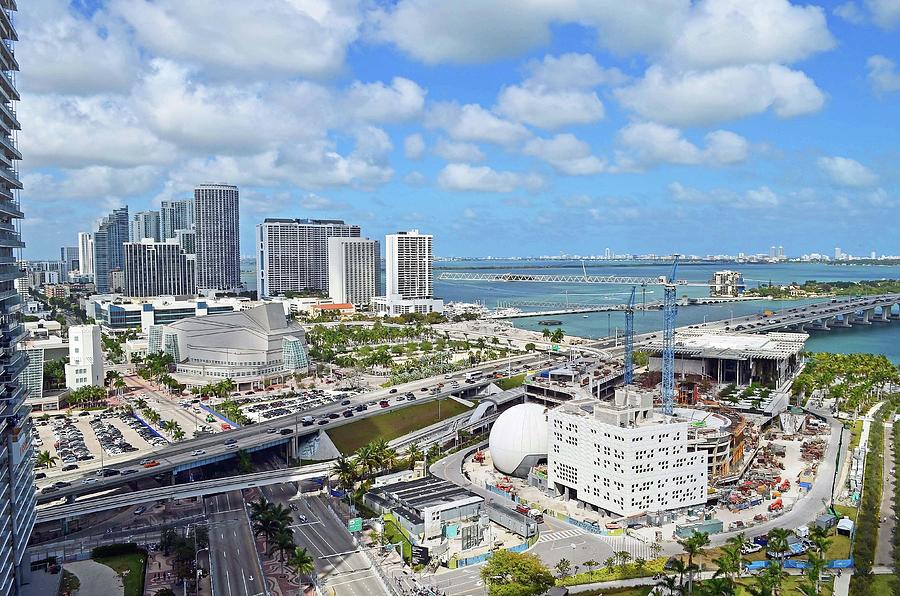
{"x":184,"y":491}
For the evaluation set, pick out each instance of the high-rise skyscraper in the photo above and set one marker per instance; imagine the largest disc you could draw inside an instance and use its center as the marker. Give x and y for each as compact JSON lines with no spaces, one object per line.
{"x":292,"y":254}
{"x":145,"y":224}
{"x":353,"y":270}
{"x":780,"y":252}
{"x":109,"y":240}
{"x":838,"y":255}
{"x":408,"y":259}
{"x":17,"y":496}
{"x":408,"y":276}
{"x":773,"y":252}
{"x":68,"y":256}
{"x":217,"y":222}
{"x":158,"y":269}
{"x":174,"y":216}
{"x":86,"y":254}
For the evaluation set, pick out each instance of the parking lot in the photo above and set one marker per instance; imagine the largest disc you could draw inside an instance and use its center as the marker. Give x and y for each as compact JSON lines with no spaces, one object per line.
{"x":87,"y":442}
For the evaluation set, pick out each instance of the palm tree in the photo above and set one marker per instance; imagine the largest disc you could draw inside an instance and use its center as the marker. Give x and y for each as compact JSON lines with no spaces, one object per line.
{"x":413,"y":454}
{"x":119,"y":384}
{"x":669,"y":584}
{"x":610,"y":564}
{"x":267,"y":527}
{"x":301,"y":563}
{"x":367,"y":458}
{"x":46,"y":460}
{"x":693,"y":545}
{"x":717,"y":586}
{"x":778,"y":542}
{"x":284,"y":542}
{"x":178,"y":434}
{"x":259,"y":508}
{"x":682,"y":569}
{"x":347,"y":472}
{"x":623,"y":556}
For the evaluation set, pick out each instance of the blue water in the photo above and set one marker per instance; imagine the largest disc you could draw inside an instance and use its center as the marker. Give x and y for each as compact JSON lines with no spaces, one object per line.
{"x":878,"y":339}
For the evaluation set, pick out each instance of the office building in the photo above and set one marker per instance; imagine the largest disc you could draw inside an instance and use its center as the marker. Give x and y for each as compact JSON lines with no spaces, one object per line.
{"x":773,"y":252}
{"x":780,"y":252}
{"x":174,"y":216}
{"x":353,"y":270}
{"x":85,"y":366}
{"x":252,"y":347}
{"x":727,"y":283}
{"x":624,"y":458}
{"x":109,"y":252}
{"x":187,"y":240}
{"x":39,"y":351}
{"x":838,"y":255}
{"x":86,"y":254}
{"x":68,"y":256}
{"x":408,"y":274}
{"x":158,"y":269}
{"x":292,"y":254}
{"x":217,"y":222}
{"x":116,"y":316}
{"x":145,"y":224}
{"x":17,"y":499}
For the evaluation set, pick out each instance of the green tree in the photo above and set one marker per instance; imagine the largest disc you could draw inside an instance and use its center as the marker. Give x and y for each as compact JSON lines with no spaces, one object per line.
{"x":45,"y":460}
{"x":244,"y":462}
{"x":563,"y":567}
{"x":516,"y":574}
{"x":693,"y":546}
{"x":301,"y":563}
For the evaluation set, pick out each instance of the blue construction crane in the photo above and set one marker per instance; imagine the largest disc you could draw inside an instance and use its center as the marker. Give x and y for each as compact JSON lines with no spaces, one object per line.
{"x":629,"y":339}
{"x":670,"y":312}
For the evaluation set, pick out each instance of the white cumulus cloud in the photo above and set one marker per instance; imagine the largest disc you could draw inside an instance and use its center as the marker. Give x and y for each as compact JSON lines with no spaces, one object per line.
{"x":473,"y":123}
{"x":883,"y":74}
{"x":647,"y":144}
{"x":844,"y":171}
{"x":464,"y":177}
{"x":458,"y":151}
{"x":414,"y":146}
{"x":547,"y":108}
{"x":567,"y":154}
{"x":708,"y":97}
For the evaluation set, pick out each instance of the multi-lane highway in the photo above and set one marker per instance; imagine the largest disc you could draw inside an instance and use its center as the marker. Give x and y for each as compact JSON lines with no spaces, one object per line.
{"x":234,"y":562}
{"x":341,"y":568}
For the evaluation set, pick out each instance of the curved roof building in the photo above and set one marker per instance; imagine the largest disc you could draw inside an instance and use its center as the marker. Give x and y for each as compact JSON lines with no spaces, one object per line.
{"x":518,"y":439}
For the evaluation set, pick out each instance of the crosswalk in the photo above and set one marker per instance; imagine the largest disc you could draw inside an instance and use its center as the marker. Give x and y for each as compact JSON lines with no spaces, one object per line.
{"x":560,"y":535}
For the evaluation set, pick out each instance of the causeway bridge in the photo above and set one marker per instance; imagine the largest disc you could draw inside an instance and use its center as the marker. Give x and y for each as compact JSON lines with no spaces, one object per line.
{"x":821,"y":316}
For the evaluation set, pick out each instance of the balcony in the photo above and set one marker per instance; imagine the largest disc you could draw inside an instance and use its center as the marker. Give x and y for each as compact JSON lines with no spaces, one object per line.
{"x":8,"y":87}
{"x":8,"y":113}
{"x":14,"y":367}
{"x":6,"y":27}
{"x":10,"y":177}
{"x":10,"y":147}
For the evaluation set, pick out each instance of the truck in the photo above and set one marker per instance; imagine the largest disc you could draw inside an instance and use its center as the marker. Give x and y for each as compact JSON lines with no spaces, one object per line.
{"x":534,"y":514}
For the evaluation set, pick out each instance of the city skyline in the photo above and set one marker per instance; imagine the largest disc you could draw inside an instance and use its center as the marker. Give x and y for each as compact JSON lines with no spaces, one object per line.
{"x":569,"y":125}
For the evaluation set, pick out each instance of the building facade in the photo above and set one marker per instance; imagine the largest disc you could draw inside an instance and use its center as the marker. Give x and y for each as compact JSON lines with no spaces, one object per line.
{"x":292,"y":254}
{"x":116,"y":316}
{"x":86,"y":254}
{"x":727,"y":283}
{"x":217,"y":222}
{"x":408,"y":276}
{"x":145,"y":224}
{"x":623,"y":458}
{"x":174,"y":216}
{"x":17,"y":496}
{"x":251,"y":347}
{"x":68,"y":256}
{"x":109,"y":252}
{"x":158,"y":269}
{"x":85,"y":365}
{"x":354,"y":275}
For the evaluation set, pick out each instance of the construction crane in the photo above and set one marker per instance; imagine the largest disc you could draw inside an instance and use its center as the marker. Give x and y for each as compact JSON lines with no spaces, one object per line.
{"x":670,"y":313}
{"x":629,"y":339}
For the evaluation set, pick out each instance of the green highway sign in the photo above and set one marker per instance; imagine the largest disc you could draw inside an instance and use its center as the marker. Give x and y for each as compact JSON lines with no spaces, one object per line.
{"x":555,"y":347}
{"x":355,"y":524}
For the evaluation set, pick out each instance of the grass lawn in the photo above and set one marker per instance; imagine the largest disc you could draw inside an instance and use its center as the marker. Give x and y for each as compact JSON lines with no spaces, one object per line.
{"x":881,"y":585}
{"x":511,"y":382}
{"x":790,"y":587}
{"x":636,"y":591}
{"x":393,"y":424}
{"x":846,"y":511}
{"x":855,"y":431}
{"x":131,"y":569}
{"x":393,"y":533}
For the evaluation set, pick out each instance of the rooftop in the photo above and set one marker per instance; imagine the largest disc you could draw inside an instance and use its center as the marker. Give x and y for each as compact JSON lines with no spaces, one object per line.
{"x":424,"y":492}
{"x":708,"y":343}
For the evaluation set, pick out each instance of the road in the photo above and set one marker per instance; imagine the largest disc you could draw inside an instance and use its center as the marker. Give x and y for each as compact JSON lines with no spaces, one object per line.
{"x":884,"y":549}
{"x":232,"y":551}
{"x":339,"y":565}
{"x":265,"y":432}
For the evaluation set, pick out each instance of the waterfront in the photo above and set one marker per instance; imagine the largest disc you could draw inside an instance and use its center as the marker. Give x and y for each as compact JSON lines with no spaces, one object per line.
{"x":884,"y":339}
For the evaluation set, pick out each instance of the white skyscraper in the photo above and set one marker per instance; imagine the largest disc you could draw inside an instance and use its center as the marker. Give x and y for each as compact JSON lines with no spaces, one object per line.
{"x":218,"y":241}
{"x":353,"y":270}
{"x":408,"y":275}
{"x":86,"y":253}
{"x":145,"y":224}
{"x":838,"y":255}
{"x":408,"y":257}
{"x":158,"y":269}
{"x":292,"y":254}
{"x":174,"y":216}
{"x":85,"y":365}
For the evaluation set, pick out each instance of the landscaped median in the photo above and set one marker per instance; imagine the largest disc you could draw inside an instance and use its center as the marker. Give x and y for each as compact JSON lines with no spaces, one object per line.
{"x":613,"y":569}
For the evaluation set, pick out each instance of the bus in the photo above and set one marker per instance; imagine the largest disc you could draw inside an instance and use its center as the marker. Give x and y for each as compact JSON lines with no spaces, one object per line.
{"x":473,"y":376}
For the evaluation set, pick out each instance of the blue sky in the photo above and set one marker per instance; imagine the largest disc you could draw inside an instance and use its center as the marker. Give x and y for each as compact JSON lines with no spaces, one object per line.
{"x":503,"y":127}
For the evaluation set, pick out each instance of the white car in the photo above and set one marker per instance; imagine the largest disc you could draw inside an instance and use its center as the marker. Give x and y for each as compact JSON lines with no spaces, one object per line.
{"x":232,"y":446}
{"x":196,"y":452}
{"x":750,"y":547}
{"x":89,"y":481}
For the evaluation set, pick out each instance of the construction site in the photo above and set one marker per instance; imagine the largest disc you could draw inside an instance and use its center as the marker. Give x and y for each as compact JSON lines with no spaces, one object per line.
{"x":603,"y":437}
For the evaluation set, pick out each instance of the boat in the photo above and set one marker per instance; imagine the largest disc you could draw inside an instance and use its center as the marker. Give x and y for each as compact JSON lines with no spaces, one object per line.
{"x":549,"y":322}
{"x":584,"y":316}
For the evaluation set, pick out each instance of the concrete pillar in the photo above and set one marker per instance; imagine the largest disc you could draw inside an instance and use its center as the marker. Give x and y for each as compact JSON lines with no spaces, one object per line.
{"x":883,"y":317}
{"x":844,"y":321}
{"x":890,"y":310}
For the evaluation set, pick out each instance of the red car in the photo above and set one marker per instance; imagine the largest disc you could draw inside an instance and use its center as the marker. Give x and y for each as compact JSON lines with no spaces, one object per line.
{"x":384,"y":403}
{"x":151,"y":464}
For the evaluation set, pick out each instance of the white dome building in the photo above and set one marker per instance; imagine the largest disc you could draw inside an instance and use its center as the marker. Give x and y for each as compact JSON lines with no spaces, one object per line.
{"x":519,"y":439}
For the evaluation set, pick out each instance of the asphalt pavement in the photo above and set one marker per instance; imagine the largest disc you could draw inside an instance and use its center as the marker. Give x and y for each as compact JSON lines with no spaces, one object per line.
{"x":884,"y":549}
{"x":232,"y":550}
{"x":339,"y":564}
